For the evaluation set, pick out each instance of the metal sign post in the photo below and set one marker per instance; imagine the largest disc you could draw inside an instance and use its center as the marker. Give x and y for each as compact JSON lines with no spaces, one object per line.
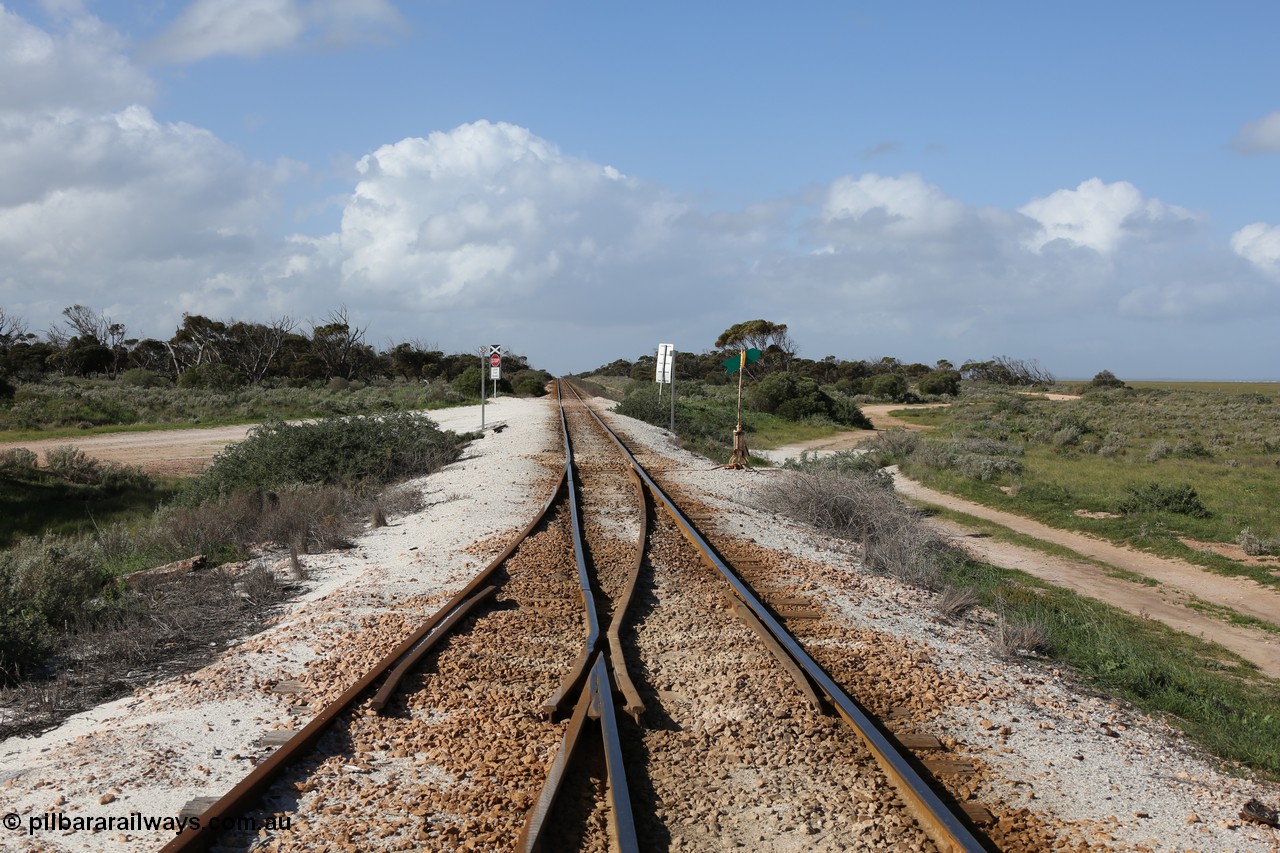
{"x":481,"y":351}
{"x":666,"y":373}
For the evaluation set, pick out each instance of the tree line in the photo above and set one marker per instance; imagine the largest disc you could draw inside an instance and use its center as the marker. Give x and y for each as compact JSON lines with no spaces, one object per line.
{"x":208,"y":353}
{"x":886,"y":377}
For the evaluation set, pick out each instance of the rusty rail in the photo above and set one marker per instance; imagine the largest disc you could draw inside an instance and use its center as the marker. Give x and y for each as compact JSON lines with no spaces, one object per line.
{"x":596,"y":703}
{"x":250,"y":789}
{"x":948,"y":828}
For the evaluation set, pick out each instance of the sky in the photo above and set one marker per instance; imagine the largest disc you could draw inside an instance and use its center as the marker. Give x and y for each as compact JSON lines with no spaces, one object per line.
{"x":1091,"y":185}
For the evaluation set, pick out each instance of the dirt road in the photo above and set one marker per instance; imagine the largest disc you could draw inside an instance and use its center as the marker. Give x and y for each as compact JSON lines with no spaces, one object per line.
{"x":179,"y":452}
{"x":1180,"y":583}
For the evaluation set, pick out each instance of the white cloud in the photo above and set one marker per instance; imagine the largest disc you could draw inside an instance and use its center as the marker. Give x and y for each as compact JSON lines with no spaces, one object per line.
{"x":1098,"y":216}
{"x":1259,"y":243}
{"x":208,"y":28}
{"x":899,"y":208}
{"x":82,"y":67}
{"x":1259,"y":137}
{"x":491,"y":212}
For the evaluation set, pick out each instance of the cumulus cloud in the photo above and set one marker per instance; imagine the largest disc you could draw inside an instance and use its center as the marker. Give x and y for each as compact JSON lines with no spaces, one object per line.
{"x":208,"y":28}
{"x":1259,"y":243}
{"x":82,"y":67}
{"x":1099,"y":216}
{"x":1259,"y":137}
{"x":490,"y":213}
{"x":896,"y":208}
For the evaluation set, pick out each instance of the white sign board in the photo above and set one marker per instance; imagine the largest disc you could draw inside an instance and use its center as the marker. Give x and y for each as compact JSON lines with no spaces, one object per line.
{"x":666,"y":360}
{"x":495,"y":373}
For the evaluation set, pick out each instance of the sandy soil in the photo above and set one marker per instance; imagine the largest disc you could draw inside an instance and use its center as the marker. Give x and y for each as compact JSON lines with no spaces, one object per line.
{"x":1180,"y":582}
{"x":180,"y":452}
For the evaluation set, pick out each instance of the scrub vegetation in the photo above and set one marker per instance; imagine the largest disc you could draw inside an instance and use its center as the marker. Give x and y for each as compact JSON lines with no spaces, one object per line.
{"x":79,"y":618}
{"x":1162,"y":469}
{"x":1215,"y":697}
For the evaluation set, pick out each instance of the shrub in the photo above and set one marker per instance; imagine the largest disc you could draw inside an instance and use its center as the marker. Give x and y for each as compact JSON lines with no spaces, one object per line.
{"x":1106,"y":379}
{"x":214,"y":377}
{"x":792,"y":397}
{"x":73,"y":464}
{"x":1158,"y":450}
{"x":343,"y":451}
{"x":940,"y":382}
{"x":7,"y":390}
{"x":864,"y":509}
{"x":1157,"y":497}
{"x":986,"y":468}
{"x":845,"y":463}
{"x":18,"y":460}
{"x":45,"y":584}
{"x":1256,"y":546}
{"x":893,"y":446}
{"x":137,"y":377}
{"x":889,"y":386}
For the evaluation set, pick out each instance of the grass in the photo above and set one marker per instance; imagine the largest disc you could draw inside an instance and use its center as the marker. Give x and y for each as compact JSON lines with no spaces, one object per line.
{"x":1214,"y":696}
{"x":42,"y":503}
{"x":1093,"y":453}
{"x":1053,"y":502}
{"x":932,"y":417}
{"x":1003,"y":534}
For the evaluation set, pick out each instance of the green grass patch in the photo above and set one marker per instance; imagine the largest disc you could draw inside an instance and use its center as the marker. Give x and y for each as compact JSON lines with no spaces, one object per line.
{"x":1268,"y":388}
{"x":932,"y":416}
{"x":42,"y":503}
{"x":1196,"y":464}
{"x":1216,"y":697}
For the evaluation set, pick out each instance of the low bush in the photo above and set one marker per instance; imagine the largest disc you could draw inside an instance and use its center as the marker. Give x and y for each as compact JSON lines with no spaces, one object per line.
{"x":1255,"y":545}
{"x":137,"y":377}
{"x":18,"y":461}
{"x":352,"y":452}
{"x":1157,"y":497}
{"x":864,"y":509}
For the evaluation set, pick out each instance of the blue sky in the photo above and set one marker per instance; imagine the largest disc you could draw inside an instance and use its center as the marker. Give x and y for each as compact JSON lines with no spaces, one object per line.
{"x":1091,"y":185}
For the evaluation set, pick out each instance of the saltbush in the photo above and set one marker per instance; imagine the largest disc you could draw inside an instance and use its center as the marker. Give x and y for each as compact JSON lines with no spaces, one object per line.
{"x":1158,"y":497}
{"x":342,"y":451}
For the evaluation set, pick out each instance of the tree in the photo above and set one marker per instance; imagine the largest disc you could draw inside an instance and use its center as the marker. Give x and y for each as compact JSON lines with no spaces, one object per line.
{"x":256,"y":347}
{"x":408,"y":360}
{"x":941,"y":381}
{"x":198,"y":341}
{"x":772,"y":339}
{"x":1106,"y":379}
{"x":890,"y":386}
{"x":340,"y":346}
{"x":12,"y":330}
{"x":93,"y":327}
{"x":1003,"y":370}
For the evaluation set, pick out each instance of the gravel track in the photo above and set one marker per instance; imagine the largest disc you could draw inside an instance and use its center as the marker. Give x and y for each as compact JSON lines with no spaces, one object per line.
{"x":1052,"y":761}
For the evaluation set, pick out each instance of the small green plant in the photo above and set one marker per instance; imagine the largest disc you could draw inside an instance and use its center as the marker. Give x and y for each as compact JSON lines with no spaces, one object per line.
{"x":1157,"y":497}
{"x":344,"y":451}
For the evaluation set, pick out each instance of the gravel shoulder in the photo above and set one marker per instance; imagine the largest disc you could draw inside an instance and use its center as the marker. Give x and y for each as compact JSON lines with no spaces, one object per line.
{"x":1090,"y":768}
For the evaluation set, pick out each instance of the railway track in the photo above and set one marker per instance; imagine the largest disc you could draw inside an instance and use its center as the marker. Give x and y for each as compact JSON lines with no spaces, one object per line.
{"x":607,"y":682}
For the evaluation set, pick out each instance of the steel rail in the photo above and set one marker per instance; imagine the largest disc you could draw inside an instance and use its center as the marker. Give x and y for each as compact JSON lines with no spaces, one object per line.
{"x":634,"y":705}
{"x":578,"y":670}
{"x":596,"y":703}
{"x":250,"y":789}
{"x":947,"y":829}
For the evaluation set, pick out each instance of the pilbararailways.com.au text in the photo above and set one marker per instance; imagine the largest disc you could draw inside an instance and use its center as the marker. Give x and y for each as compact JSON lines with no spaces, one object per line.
{"x":138,"y":822}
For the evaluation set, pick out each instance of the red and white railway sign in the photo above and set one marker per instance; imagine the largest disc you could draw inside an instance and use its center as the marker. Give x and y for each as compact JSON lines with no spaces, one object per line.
{"x":495,"y":360}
